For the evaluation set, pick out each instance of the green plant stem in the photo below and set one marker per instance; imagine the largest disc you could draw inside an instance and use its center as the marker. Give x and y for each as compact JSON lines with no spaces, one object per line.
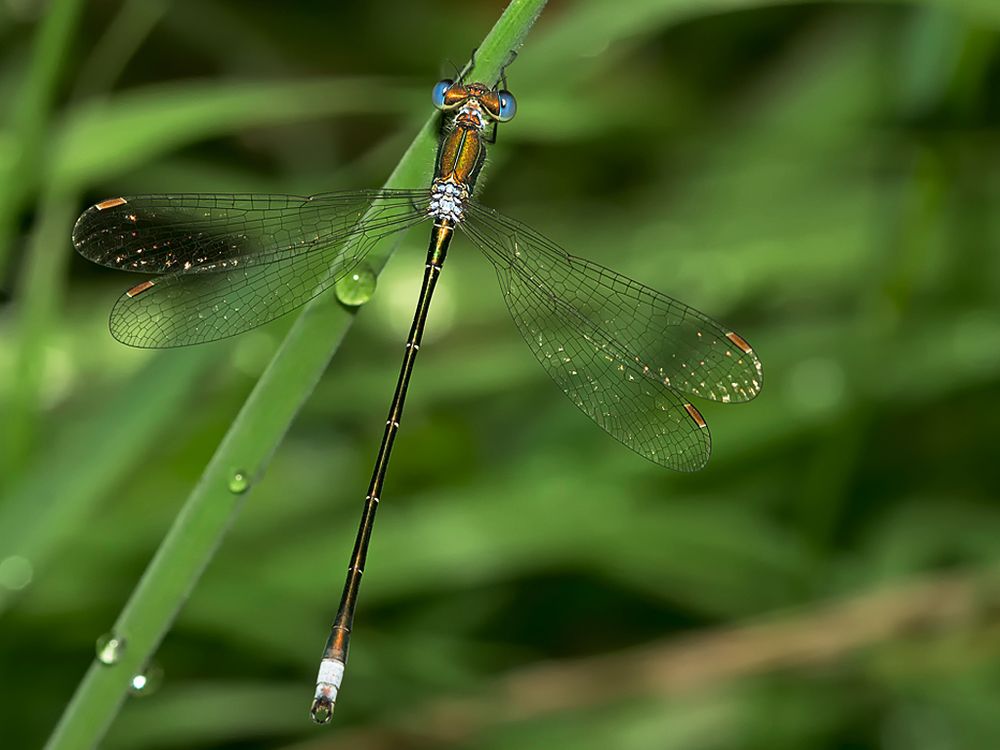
{"x":40,"y":288}
{"x":246,"y":448}
{"x":121,"y":39}
{"x":40,"y":294}
{"x":29,"y":120}
{"x":63,"y":482}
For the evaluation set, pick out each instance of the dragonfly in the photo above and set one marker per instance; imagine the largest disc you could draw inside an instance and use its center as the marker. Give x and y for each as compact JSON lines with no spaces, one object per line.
{"x":628,"y":357}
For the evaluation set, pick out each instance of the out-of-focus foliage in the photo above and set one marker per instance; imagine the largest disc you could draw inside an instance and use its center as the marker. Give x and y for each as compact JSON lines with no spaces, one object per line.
{"x":823,"y":177}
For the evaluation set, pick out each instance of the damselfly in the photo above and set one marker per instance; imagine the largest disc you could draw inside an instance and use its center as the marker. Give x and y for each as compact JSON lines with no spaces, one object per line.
{"x":626,"y":355}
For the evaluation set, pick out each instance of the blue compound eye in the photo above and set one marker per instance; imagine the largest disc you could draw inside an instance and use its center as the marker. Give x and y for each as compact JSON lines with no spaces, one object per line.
{"x":440,"y":89}
{"x":508,"y":106}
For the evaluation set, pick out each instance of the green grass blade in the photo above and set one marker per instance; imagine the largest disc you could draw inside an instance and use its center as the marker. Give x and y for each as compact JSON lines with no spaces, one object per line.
{"x":30,"y":118}
{"x":41,"y":294}
{"x":247,"y":447}
{"x":79,"y":465}
{"x":104,"y":138}
{"x":41,"y":284}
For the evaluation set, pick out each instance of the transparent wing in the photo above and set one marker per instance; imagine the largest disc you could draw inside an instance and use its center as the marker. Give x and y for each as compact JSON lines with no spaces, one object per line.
{"x":668,"y":340}
{"x":619,"y":350}
{"x":233,"y":262}
{"x":166,"y":233}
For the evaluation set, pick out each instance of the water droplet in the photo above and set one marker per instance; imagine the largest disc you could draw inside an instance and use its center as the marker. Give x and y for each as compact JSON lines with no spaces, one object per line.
{"x":357,"y":287}
{"x":238,"y":482}
{"x":321,"y":711}
{"x":147,"y":681}
{"x":16,"y":572}
{"x":110,"y":648}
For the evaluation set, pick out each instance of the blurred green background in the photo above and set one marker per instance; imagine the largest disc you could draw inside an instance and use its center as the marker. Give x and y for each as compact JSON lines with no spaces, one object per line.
{"x":822,"y":177}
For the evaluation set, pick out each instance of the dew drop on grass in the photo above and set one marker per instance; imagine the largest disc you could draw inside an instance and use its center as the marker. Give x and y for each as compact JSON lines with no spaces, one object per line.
{"x":239,"y":482}
{"x":110,"y":648}
{"x":357,"y":287}
{"x":147,"y":681}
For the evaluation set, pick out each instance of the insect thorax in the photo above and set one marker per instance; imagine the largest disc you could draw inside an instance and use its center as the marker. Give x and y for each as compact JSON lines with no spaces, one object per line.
{"x":447,"y":200}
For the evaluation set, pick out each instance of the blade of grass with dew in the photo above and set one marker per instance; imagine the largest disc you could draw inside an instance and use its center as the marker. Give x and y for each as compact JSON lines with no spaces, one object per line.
{"x":253,"y":437}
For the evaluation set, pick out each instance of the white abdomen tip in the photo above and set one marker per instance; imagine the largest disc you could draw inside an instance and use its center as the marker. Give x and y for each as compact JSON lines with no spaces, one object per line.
{"x":331,"y":674}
